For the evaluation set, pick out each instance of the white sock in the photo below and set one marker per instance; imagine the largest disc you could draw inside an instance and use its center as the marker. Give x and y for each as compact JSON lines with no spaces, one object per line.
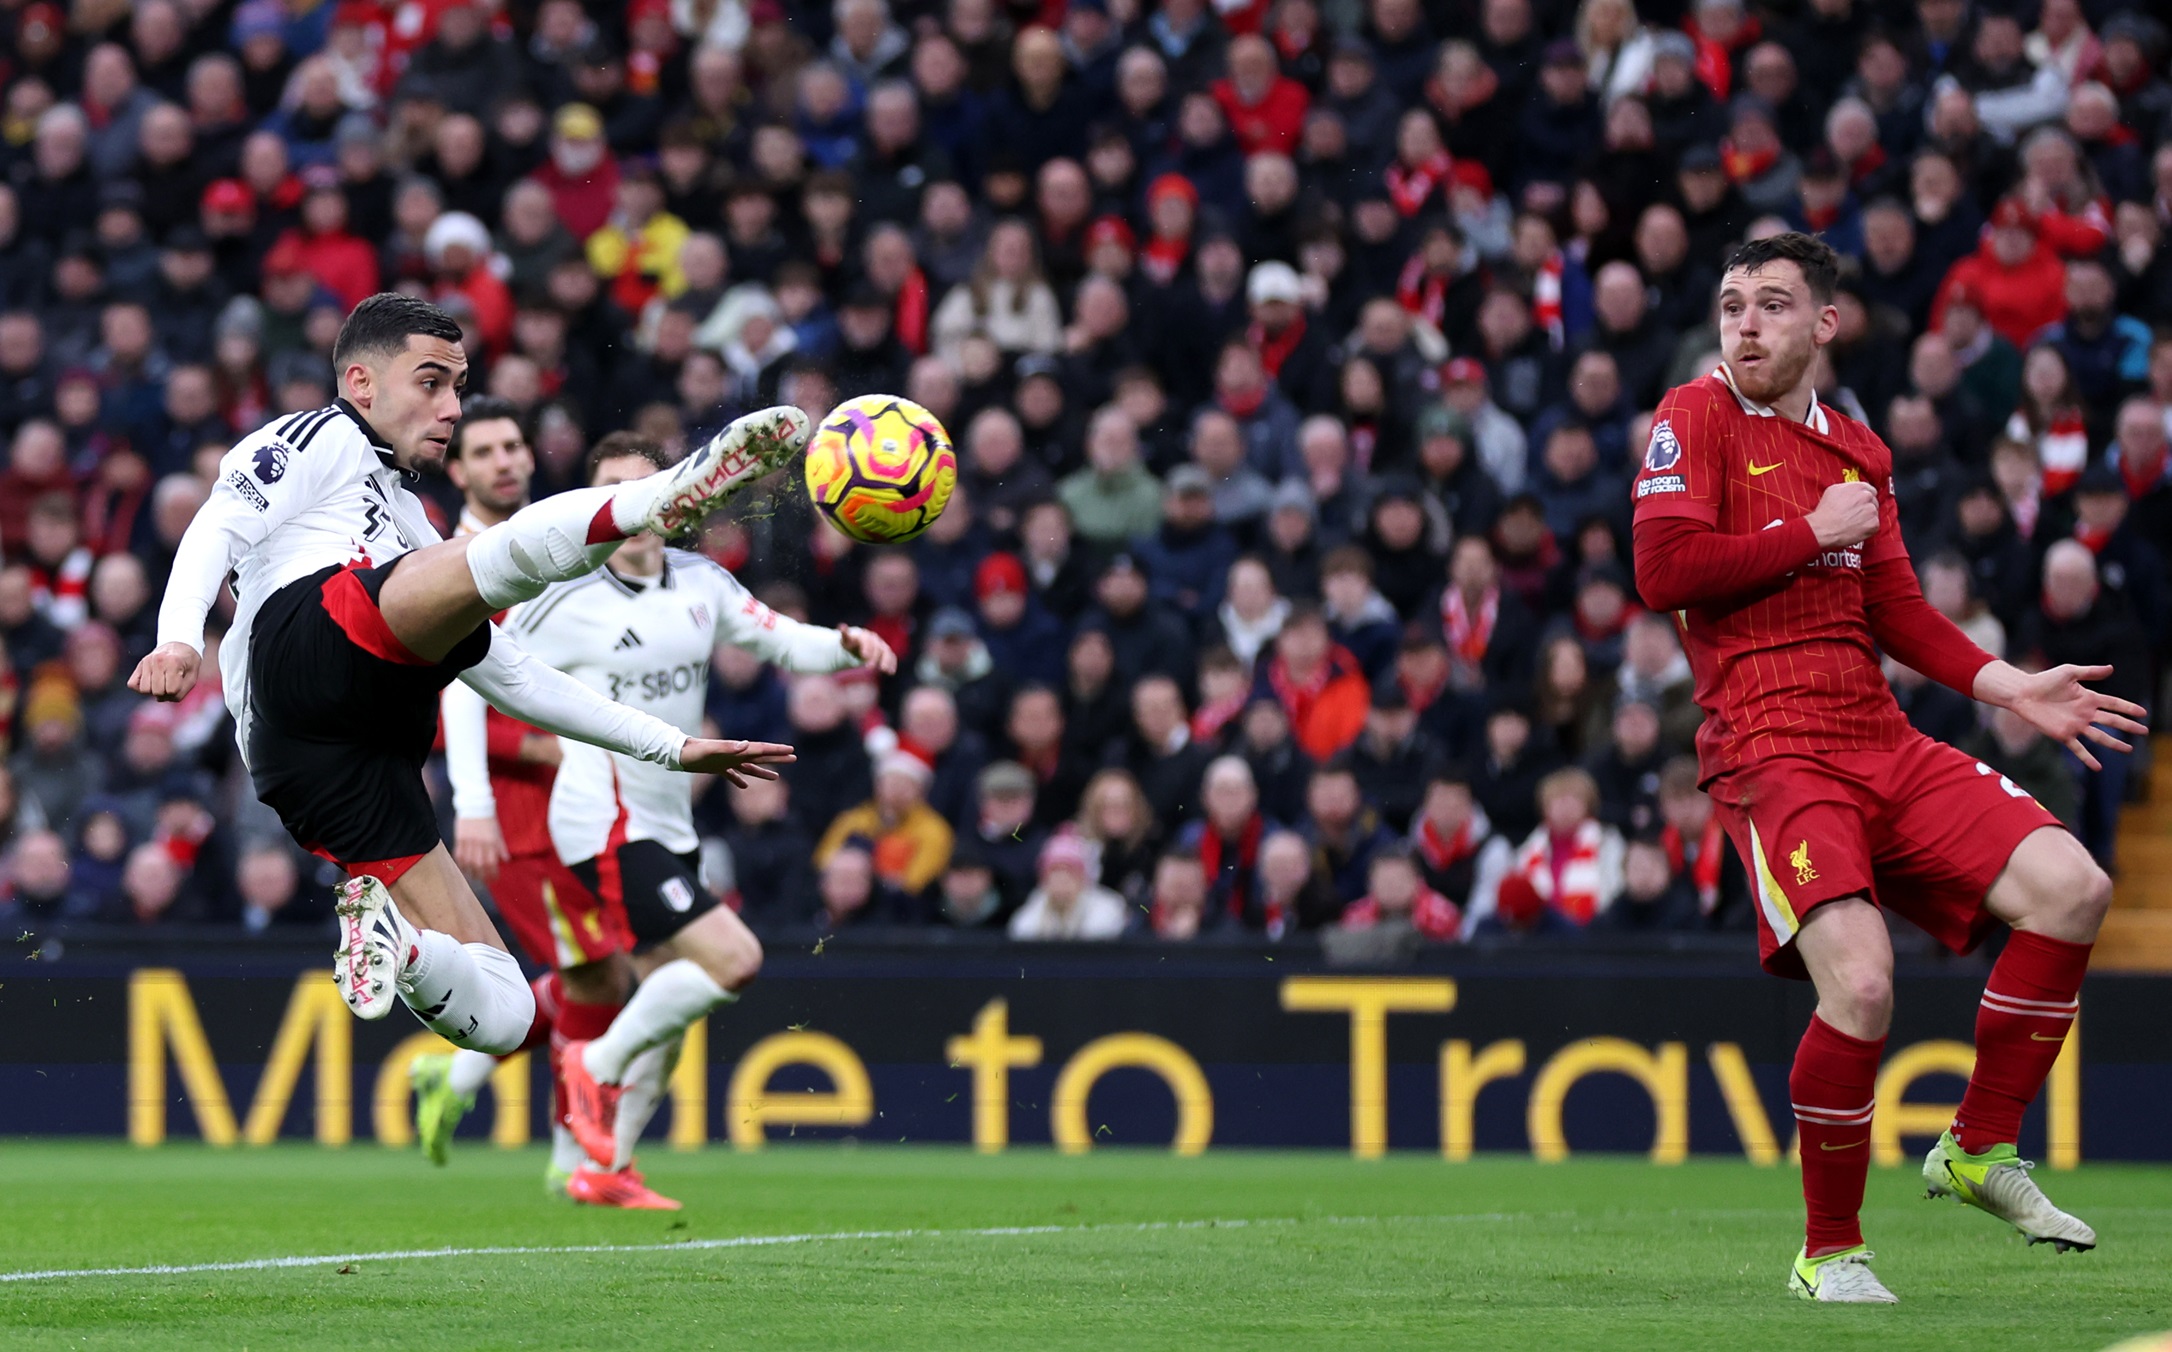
{"x":542,"y":543}
{"x":472,"y":995}
{"x":566,"y":1153}
{"x":471,"y":1071}
{"x":641,"y":1093}
{"x":668,"y":999}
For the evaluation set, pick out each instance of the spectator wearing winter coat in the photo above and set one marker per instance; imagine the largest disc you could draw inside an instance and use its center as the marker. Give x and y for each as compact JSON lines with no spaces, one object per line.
{"x":1115,"y":498}
{"x":1653,"y":899}
{"x":769,"y":853}
{"x":1318,"y":684}
{"x":1573,"y":860}
{"x":909,"y":843}
{"x":1068,"y":905}
{"x":1358,"y":617}
{"x":1396,"y":895}
{"x":1227,"y":844}
{"x":2015,"y":276}
{"x":1266,"y":109}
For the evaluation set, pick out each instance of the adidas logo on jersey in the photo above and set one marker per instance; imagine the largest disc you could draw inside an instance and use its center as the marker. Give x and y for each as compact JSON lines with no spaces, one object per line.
{"x":629,"y":639}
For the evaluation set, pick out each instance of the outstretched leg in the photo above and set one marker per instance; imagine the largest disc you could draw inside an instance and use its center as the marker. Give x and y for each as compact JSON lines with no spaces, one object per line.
{"x":438,"y":595}
{"x":2054,"y":895}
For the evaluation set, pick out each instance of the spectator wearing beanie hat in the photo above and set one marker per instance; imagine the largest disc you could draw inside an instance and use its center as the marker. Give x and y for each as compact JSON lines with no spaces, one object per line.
{"x":53,"y":768}
{"x":581,"y":173}
{"x":1067,"y":906}
{"x":1021,"y":637}
{"x":457,"y":247}
{"x":1172,"y":214}
{"x":909,"y":843}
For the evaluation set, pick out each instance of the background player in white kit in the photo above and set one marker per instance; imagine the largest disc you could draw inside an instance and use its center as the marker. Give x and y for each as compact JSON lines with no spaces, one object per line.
{"x":641,"y":630}
{"x":352,"y":616}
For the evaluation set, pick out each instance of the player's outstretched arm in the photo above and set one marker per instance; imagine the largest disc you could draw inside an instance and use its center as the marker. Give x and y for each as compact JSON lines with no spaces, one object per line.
{"x":746,"y":623}
{"x":2057,"y":704}
{"x":535,"y":692}
{"x":869,"y":647}
{"x":736,"y":761}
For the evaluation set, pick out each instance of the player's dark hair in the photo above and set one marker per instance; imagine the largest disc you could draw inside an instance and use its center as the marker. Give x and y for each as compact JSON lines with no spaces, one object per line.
{"x":617,"y":445}
{"x":382,"y":324}
{"x":1819,"y":264}
{"x":483,"y":408}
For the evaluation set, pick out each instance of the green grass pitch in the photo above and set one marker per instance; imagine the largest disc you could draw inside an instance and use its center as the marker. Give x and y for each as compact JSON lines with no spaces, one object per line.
{"x":1117,"y":1251}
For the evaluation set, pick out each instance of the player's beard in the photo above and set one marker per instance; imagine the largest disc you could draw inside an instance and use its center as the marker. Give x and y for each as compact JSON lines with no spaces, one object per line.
{"x":1774,"y":376}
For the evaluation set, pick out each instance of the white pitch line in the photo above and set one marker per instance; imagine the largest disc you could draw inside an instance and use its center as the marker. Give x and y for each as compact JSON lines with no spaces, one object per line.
{"x":732,"y":1242}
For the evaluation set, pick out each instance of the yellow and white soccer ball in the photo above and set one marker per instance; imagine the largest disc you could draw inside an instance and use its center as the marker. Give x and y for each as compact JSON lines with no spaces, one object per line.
{"x":882,"y":468}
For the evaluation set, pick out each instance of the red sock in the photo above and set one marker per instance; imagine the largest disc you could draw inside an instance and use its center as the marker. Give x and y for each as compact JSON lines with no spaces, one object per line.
{"x":2028,"y":1004}
{"x":603,"y":528}
{"x":1833,"y":1087}
{"x":578,"y":1021}
{"x":547,"y":998}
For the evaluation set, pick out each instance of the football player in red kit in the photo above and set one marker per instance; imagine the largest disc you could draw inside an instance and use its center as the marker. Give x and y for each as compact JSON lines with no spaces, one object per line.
{"x":1765,"y":521}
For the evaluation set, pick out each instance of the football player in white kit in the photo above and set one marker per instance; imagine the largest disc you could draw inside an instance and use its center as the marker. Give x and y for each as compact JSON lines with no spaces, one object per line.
{"x":352,"y":616}
{"x":641,"y":630}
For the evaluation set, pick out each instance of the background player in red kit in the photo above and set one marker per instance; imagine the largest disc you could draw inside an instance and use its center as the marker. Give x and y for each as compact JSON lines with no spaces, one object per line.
{"x":1766,"y":522}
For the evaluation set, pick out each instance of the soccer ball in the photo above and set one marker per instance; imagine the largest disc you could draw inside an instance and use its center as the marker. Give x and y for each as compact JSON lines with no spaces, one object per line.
{"x":881,"y":468}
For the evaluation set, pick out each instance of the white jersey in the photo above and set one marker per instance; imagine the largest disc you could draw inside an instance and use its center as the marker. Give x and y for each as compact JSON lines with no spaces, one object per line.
{"x":317,"y":490}
{"x":646,"y":642}
{"x":304,"y":492}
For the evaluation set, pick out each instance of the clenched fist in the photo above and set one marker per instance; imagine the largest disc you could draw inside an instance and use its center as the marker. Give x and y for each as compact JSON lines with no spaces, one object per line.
{"x":167,"y":673}
{"x":1847,"y":515}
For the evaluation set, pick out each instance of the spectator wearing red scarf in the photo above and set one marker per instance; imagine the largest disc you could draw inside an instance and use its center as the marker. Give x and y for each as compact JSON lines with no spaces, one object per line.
{"x":1452,"y":838}
{"x":1722,"y":31}
{"x":1490,"y":634}
{"x":1266,"y":110}
{"x":1319,"y":685}
{"x":1696,"y":846}
{"x":1172,"y":210}
{"x":1291,"y":352}
{"x":1423,"y":170}
{"x":1398,"y":895}
{"x":1228,"y":843}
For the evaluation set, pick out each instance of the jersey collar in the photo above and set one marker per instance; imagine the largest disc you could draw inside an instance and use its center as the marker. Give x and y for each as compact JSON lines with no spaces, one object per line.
{"x":369,"y":433}
{"x":636,"y":586}
{"x":1814,"y":418}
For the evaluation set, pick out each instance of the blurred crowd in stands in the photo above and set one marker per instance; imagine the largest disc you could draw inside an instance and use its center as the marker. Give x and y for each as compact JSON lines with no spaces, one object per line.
{"x":1297,"y":352}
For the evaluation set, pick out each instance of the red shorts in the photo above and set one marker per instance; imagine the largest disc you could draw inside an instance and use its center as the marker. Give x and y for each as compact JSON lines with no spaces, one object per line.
{"x":1922,"y":830}
{"x":559,"y":922}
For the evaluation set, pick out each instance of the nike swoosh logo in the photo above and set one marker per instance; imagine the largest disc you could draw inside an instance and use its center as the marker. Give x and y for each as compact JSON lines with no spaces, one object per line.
{"x":1756,"y":470}
{"x":2039,"y":1037}
{"x":1828,"y":1145}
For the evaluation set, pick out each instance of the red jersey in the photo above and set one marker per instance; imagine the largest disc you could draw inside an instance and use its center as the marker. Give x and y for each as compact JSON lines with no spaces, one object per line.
{"x":522,"y":788}
{"x":1783,"y":636}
